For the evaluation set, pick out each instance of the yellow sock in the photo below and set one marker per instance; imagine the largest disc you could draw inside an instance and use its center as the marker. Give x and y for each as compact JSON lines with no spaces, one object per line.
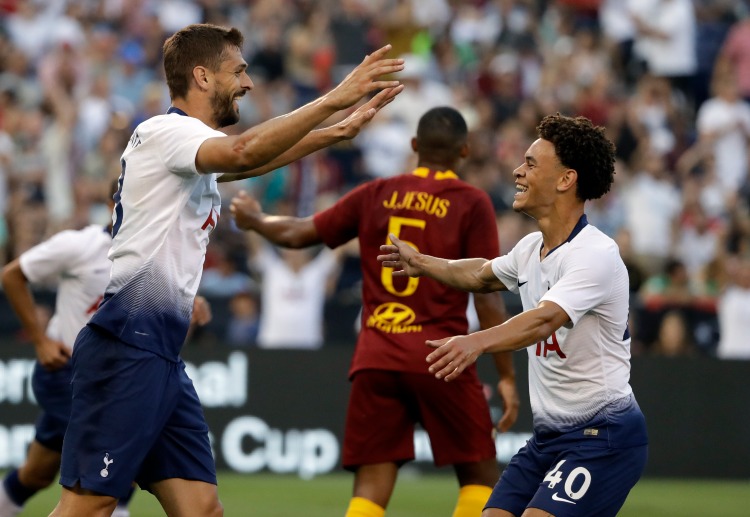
{"x":361,"y":507}
{"x":471,"y":500}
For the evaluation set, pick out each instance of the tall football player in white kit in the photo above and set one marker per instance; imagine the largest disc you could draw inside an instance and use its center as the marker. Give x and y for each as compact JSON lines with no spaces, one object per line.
{"x":589,"y":446}
{"x":135,"y":414}
{"x":75,"y":261}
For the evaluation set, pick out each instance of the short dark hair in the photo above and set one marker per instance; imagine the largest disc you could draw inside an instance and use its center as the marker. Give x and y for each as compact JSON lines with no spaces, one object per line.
{"x":201,"y":44}
{"x":582,"y":146}
{"x":442,"y":128}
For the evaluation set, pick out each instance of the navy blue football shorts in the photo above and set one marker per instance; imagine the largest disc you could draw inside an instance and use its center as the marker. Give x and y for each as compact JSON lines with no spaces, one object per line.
{"x":585,"y":472}
{"x":52,"y":392}
{"x":135,"y":417}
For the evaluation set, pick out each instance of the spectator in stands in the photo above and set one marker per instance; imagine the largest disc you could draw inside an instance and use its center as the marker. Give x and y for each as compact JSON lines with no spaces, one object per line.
{"x":734,"y":313}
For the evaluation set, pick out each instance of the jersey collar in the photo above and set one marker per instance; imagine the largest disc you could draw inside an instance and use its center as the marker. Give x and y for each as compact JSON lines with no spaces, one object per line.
{"x":172,"y":109}
{"x":424,"y":172}
{"x":582,"y":222}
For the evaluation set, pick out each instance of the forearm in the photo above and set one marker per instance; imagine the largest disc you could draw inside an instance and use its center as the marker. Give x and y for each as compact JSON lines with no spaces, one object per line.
{"x":22,"y":301}
{"x":261,"y":144}
{"x":463,"y":274}
{"x":313,"y":141}
{"x":282,"y":230}
{"x":518,"y":332}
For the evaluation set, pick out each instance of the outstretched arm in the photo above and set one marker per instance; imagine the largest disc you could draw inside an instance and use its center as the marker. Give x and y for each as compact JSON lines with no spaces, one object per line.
{"x":321,"y":138}
{"x":259,"y":145}
{"x":285,"y":231}
{"x":51,"y":354}
{"x":472,"y":274}
{"x":453,"y":354}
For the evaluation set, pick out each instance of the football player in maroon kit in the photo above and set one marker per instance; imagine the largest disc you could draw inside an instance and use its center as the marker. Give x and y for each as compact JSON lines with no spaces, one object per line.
{"x":392,"y":390}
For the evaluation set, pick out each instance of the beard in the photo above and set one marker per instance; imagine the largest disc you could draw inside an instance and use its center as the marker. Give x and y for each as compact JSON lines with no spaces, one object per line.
{"x":223,"y":108}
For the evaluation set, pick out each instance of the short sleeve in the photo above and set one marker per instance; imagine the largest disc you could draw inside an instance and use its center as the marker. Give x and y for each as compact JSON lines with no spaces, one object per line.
{"x":179,"y":140}
{"x":481,"y":238}
{"x":48,"y":260}
{"x":339,"y":224}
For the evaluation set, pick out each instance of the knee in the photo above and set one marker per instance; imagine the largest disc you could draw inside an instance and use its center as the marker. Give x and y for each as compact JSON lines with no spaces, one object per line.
{"x":216,"y":510}
{"x":36,"y":479}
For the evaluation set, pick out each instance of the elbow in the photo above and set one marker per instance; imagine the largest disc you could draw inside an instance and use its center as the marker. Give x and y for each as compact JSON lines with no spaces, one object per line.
{"x":251,"y":152}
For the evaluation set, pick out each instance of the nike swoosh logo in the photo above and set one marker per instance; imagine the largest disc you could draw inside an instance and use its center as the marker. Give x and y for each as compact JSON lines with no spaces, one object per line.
{"x":522,"y":283}
{"x":556,"y":497}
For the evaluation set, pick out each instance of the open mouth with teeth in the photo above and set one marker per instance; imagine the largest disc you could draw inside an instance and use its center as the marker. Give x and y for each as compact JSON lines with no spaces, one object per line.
{"x":521,"y":189}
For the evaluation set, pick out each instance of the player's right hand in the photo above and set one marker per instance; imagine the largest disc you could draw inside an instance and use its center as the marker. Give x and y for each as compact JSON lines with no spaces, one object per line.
{"x":365,"y":79}
{"x":51,"y":354}
{"x":246,"y":210}
{"x":399,"y":256}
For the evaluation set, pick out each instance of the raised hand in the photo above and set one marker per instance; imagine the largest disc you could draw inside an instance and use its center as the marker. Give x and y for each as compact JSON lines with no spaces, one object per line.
{"x":354,"y":123}
{"x":364,"y":79}
{"x":399,"y":256}
{"x":245,"y":209}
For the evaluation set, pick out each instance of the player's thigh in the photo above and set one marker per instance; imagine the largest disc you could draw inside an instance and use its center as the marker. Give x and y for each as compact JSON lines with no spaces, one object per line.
{"x":519,"y":481}
{"x":448,"y":410}
{"x":183,"y":448}
{"x":122,"y":397}
{"x":53,"y":394}
{"x":187,"y":498}
{"x":588,"y":481}
{"x":379,"y":420}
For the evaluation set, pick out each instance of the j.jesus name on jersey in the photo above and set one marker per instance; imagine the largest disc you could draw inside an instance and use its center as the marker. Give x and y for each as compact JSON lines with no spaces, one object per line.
{"x":418,"y":201}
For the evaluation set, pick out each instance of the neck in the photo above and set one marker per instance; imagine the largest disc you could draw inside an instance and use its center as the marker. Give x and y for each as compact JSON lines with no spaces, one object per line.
{"x":557,"y":226}
{"x":193,"y":108}
{"x":437,"y":165}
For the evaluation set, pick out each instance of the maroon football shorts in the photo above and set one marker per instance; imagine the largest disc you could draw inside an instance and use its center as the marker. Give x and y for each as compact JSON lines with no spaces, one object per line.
{"x":384,"y":407}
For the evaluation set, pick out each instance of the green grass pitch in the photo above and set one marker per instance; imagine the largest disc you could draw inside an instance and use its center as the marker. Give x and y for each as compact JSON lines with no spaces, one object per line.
{"x":269,"y":495}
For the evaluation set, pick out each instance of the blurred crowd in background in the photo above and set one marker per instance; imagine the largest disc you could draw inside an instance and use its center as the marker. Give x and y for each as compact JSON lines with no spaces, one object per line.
{"x":669,"y":79}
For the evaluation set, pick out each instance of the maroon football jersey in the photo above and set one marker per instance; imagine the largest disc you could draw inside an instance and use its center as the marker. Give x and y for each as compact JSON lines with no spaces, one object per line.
{"x":438,"y":214}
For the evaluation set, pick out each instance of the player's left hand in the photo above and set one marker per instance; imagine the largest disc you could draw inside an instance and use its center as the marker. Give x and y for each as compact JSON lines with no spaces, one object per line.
{"x":245,"y":209}
{"x":506,"y":388}
{"x":452,"y":355}
{"x":353,"y":124}
{"x":366,"y":78}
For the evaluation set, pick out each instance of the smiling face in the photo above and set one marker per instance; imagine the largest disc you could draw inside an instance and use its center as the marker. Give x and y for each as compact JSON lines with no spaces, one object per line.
{"x":231,"y":83}
{"x":537,"y":179}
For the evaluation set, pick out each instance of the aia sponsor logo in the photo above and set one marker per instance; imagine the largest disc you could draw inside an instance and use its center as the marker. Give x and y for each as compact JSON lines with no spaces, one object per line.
{"x":550,"y":345}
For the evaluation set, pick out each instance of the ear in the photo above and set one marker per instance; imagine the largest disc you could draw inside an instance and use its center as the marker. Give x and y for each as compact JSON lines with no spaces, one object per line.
{"x":567,"y":180}
{"x":201,"y":77}
{"x":414,"y":144}
{"x":464,"y":151}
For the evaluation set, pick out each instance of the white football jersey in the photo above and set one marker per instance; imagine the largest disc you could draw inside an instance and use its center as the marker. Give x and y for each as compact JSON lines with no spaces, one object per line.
{"x":76,"y":261}
{"x":585,"y":365}
{"x":163,"y":215}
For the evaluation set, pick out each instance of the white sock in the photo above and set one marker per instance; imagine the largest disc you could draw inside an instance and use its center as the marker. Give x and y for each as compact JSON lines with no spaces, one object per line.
{"x":120,"y":511}
{"x":7,"y":507}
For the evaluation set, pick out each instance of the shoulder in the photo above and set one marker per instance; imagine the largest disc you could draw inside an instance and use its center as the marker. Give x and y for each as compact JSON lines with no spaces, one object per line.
{"x":595,"y":247}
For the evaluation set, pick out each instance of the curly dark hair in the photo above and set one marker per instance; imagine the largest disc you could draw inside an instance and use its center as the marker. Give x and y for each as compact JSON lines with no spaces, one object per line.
{"x":582,"y":146}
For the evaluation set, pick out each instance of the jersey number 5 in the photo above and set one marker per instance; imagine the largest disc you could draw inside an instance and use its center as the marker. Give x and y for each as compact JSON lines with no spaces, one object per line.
{"x":395,"y":224}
